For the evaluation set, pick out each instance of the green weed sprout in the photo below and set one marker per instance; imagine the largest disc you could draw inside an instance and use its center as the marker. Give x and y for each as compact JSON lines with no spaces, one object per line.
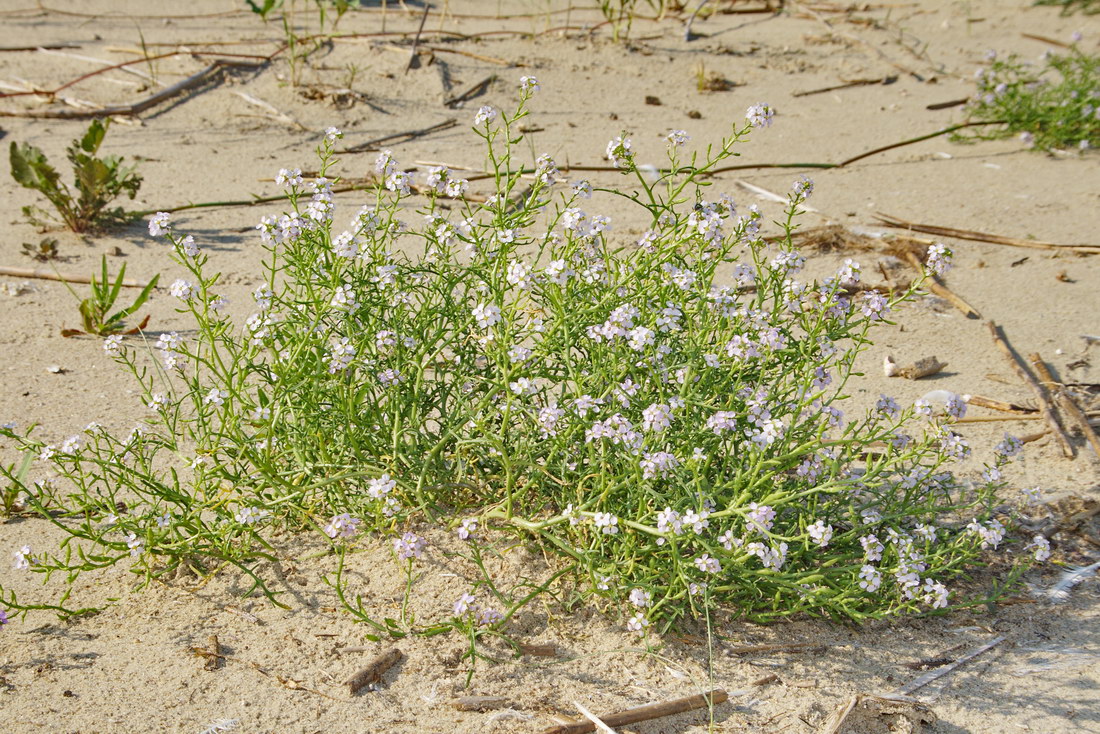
{"x":1052,"y":104}
{"x":665,"y":415}
{"x":99,"y":181}
{"x":1088,"y":7}
{"x":95,"y":310}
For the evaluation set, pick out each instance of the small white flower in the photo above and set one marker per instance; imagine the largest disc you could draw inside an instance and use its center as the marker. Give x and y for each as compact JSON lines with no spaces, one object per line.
{"x":640,"y":598}
{"x":159,"y":223}
{"x":528,"y":85}
{"x":606,"y":522}
{"x":637,"y":623}
{"x":135,"y":544}
{"x":23,"y":559}
{"x":485,"y":116}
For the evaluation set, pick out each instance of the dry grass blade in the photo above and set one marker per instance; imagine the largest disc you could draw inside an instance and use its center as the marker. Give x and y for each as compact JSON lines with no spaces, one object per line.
{"x":966,"y":234}
{"x":927,"y":678}
{"x":1045,"y":406}
{"x":643,"y":713}
{"x":1069,"y":406}
{"x":65,"y":277}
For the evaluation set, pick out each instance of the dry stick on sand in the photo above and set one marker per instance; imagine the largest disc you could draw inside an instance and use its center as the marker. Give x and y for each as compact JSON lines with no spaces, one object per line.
{"x":645,"y":713}
{"x":138,"y":107}
{"x":927,"y":678}
{"x":993,"y":404}
{"x":416,"y":41}
{"x":937,"y":286}
{"x":848,"y":85}
{"x":373,"y":672}
{"x":474,"y":90}
{"x":966,"y":234}
{"x":399,"y":137}
{"x":1069,"y":406}
{"x":1045,"y":406}
{"x":69,"y":278}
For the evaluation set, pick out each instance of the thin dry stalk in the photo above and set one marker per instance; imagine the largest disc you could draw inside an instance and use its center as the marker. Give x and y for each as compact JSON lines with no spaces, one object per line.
{"x":644,"y":713}
{"x":64,"y":277}
{"x":966,"y":234}
{"x":479,"y":703}
{"x":936,"y":286}
{"x":137,"y":108}
{"x":1045,"y":406}
{"x":402,"y":137}
{"x":1066,"y":401}
{"x":927,"y":678}
{"x":994,"y":404}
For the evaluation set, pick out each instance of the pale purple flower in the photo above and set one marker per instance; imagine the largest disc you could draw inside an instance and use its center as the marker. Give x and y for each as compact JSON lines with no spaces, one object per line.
{"x":677,"y":138}
{"x":707,"y":564}
{"x":760,"y":115}
{"x":619,"y":152}
{"x":468,"y":528}
{"x":251,"y":515}
{"x":485,"y":116}
{"x":803,"y":188}
{"x":820,"y":533}
{"x":380,"y":487}
{"x":464,"y":604}
{"x":939,"y":259}
{"x":488,"y":617}
{"x":759,"y":518}
{"x":160,"y":223}
{"x":872,"y":548}
{"x":528,"y":85}
{"x":637,"y":623}
{"x":1041,"y":546}
{"x":182,"y":289}
{"x":409,"y":545}
{"x":112,"y":345}
{"x":607,"y":523}
{"x":956,"y":406}
{"x":23,"y":558}
{"x":874,"y":305}
{"x":135,"y":544}
{"x":1009,"y":447}
{"x":342,"y":526}
{"x":640,"y":598}
{"x":332,"y":134}
{"x":870,"y":579}
{"x":935,"y":594}
{"x":288,"y":177}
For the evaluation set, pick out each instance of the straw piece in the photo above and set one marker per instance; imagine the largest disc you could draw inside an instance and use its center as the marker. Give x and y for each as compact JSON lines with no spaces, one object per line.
{"x":993,"y":404}
{"x":138,"y":107}
{"x":927,"y":678}
{"x":1045,"y":406}
{"x":966,"y":234}
{"x":479,"y":703}
{"x":400,"y":137}
{"x":1069,"y":406}
{"x":64,"y":277}
{"x":644,"y":713}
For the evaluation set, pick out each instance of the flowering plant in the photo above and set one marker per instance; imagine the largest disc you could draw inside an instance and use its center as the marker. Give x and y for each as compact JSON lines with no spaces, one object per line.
{"x":668,"y":414}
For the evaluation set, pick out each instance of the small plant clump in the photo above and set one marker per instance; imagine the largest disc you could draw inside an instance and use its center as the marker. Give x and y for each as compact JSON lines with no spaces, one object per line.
{"x":98,"y":182}
{"x":1053,"y":104}
{"x":666,"y":414}
{"x":95,"y":310}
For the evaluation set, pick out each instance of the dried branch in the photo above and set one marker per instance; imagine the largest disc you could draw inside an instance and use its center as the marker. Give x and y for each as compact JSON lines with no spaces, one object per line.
{"x":66,"y":278}
{"x":1045,"y":406}
{"x":137,"y":108}
{"x":1066,"y":401}
{"x":644,"y":713}
{"x":403,"y":137}
{"x":927,"y":678}
{"x":965,"y":234}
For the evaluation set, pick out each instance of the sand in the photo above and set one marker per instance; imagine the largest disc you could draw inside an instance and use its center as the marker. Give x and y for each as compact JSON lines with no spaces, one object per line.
{"x":132,"y":667}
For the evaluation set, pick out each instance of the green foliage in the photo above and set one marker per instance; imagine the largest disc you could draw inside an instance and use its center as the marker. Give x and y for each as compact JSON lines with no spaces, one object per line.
{"x":98,"y":182}
{"x":665,"y":415}
{"x":1055,"y":104}
{"x":1088,"y":7}
{"x":265,"y":8}
{"x":95,"y":311}
{"x":44,"y":251}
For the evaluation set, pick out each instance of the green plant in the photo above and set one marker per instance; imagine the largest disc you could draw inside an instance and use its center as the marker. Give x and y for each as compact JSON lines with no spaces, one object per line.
{"x":265,"y":8}
{"x":95,"y":310}
{"x":1053,"y":104}
{"x":98,"y":182}
{"x":667,"y":416}
{"x":1088,"y":7}
{"x":44,"y":251}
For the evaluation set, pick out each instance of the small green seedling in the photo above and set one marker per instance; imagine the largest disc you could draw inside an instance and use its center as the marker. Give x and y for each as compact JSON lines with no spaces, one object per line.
{"x":99,"y":181}
{"x":44,"y":251}
{"x":96,"y":310}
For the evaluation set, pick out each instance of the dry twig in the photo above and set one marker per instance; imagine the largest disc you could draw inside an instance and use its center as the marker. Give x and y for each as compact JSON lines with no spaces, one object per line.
{"x":966,"y":234}
{"x":1069,"y":406}
{"x":644,"y":713}
{"x":68,"y":278}
{"x":1045,"y":406}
